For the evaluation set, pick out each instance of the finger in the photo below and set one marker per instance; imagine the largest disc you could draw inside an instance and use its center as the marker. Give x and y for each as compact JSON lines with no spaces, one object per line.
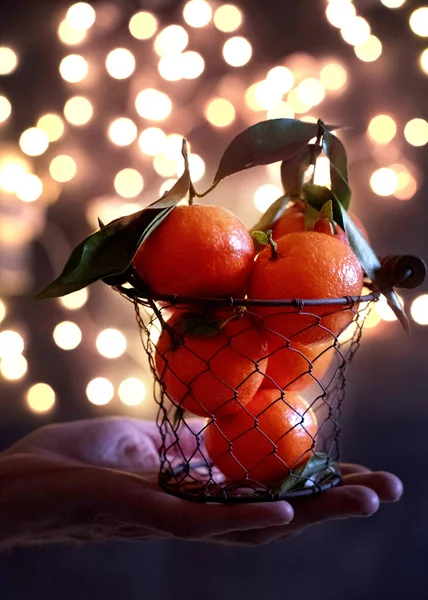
{"x":387,"y":486}
{"x":348,"y":468}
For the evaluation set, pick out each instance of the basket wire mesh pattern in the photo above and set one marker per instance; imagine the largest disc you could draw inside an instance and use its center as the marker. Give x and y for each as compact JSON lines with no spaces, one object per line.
{"x":286,"y":445}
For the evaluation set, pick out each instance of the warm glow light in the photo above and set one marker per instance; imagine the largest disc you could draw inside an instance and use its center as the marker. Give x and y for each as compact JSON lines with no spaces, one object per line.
{"x":120,"y":63}
{"x":237,"y":51}
{"x":34,"y":141}
{"x":419,"y":21}
{"x":227,"y":18}
{"x":172,"y":39}
{"x":311,"y":91}
{"x":340,"y":12}
{"x":416,"y":132}
{"x":128,"y":183}
{"x":67,"y":335}
{"x":2,"y":310}
{"x":143,"y":25}
{"x":132,"y":391}
{"x":196,"y":167}
{"x":370,"y":50}
{"x":282,"y":78}
{"x":52,"y":125}
{"x":356,"y":32}
{"x":409,"y":190}
{"x":8,"y":60}
{"x":153,"y":105}
{"x":111,"y":343}
{"x":80,"y":16}
{"x":70,"y":36}
{"x":384,"y":311}
{"x":73,"y":68}
{"x":165,"y":167}
{"x":29,"y":188}
{"x":11,"y":344}
{"x":78,"y":110}
{"x":152,"y":140}
{"x":282,"y":111}
{"x":333,"y":77}
{"x":393,"y":3}
{"x":265,"y":196}
{"x":5,"y":109}
{"x":170,"y":67}
{"x":62,"y":168}
{"x":296,"y":103}
{"x":122,"y":131}
{"x":100,"y":391}
{"x":14,"y":367}
{"x":267,"y":95}
{"x":75,"y":300}
{"x":322,"y":171}
{"x":424,"y":61}
{"x":382,"y":129}
{"x":384,"y":182}
{"x":250,"y":97}
{"x":40,"y":397}
{"x":166,"y":186}
{"x":192,"y":64}
{"x":220,"y":112}
{"x":419,"y":310}
{"x":11,"y":173}
{"x":197,"y":13}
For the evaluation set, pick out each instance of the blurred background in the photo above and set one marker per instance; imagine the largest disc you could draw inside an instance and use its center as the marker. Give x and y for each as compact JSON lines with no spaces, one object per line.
{"x":94,"y":100}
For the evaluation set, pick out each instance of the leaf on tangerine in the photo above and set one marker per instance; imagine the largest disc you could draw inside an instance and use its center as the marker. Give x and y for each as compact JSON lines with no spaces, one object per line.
{"x":293,"y":169}
{"x":336,"y":152}
{"x":271,"y":216}
{"x":318,"y":468}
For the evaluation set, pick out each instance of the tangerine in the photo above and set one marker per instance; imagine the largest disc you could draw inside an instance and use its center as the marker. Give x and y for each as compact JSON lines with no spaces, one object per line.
{"x":263,"y":441}
{"x":308,"y":265}
{"x":198,"y":250}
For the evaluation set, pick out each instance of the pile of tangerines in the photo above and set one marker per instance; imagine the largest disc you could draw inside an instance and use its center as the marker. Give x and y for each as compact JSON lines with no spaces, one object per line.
{"x":241,"y":368}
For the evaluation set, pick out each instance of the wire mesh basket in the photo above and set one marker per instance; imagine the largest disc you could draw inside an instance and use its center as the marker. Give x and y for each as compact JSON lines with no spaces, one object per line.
{"x":249,"y":392}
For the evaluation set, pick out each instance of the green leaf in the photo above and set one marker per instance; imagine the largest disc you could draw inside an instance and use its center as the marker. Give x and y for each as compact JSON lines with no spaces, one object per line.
{"x":326,"y":211}
{"x":271,"y":216}
{"x":260,"y":239}
{"x":311,"y":217}
{"x":109,"y":251}
{"x":368,"y":260}
{"x":265,"y":143}
{"x":336,"y":152}
{"x":316,"y":195}
{"x":318,"y":468}
{"x":294,"y":169}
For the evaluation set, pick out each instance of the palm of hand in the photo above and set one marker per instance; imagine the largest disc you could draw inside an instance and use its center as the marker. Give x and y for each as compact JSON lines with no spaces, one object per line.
{"x":97,"y":480}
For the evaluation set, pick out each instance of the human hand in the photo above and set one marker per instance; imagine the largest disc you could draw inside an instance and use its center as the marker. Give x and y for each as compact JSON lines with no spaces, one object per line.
{"x":97,"y":480}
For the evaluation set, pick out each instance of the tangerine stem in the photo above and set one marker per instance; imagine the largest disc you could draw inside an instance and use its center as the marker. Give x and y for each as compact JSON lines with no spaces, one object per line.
{"x":273,"y":246}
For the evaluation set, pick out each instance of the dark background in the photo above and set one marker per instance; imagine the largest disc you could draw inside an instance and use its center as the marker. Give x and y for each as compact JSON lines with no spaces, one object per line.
{"x":386,"y":416}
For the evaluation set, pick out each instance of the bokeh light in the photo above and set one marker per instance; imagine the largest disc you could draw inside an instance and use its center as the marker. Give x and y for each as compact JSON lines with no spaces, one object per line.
{"x":75,"y":300}
{"x":166,"y":186}
{"x":322,"y":171}
{"x":111,"y":343}
{"x":52,"y":125}
{"x":170,"y":67}
{"x":266,"y":95}
{"x":416,"y":132}
{"x":11,"y":343}
{"x":40,"y":398}
{"x":120,"y":63}
{"x":8,"y":60}
{"x":311,"y":91}
{"x":70,"y":36}
{"x":393,"y":3}
{"x":333,"y":77}
{"x":220,"y":112}
{"x":153,"y":105}
{"x":29,"y":188}
{"x":227,"y":18}
{"x":122,"y":131}
{"x":382,"y":129}
{"x":296,"y":103}
{"x":197,"y":13}
{"x":282,"y":78}
{"x":192,"y":64}
{"x":73,"y":68}
{"x":67,"y":335}
{"x":370,"y":50}
{"x":356,"y":32}
{"x":266,"y":195}
{"x":282,"y":111}
{"x":80,"y":16}
{"x":128,"y":183}
{"x":143,"y":25}
{"x":132,"y":391}
{"x":78,"y":110}
{"x":173,"y":39}
{"x":33,"y":141}
{"x":423,"y":60}
{"x":13,"y":367}
{"x":62,"y":168}
{"x":2,"y":310}
{"x":196,"y":167}
{"x":419,"y":309}
{"x":384,"y":311}
{"x":11,"y":173}
{"x":384,"y":182}
{"x":99,"y":391}
{"x":419,"y":21}
{"x":340,"y":12}
{"x":165,"y":167}
{"x":5,"y":109}
{"x":237,"y":51}
{"x":152,"y":141}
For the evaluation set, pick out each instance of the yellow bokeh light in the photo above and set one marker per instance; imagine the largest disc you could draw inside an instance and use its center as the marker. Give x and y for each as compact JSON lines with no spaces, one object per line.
{"x":370,"y":50}
{"x":237,"y":51}
{"x":62,"y":168}
{"x":165,"y":167}
{"x":266,"y":94}
{"x":192,"y":64}
{"x":170,"y":67}
{"x":52,"y":125}
{"x":122,"y":131}
{"x":172,"y":39}
{"x":393,"y":3}
{"x":120,"y":63}
{"x":333,"y":77}
{"x":227,"y":18}
{"x":143,"y":25}
{"x":73,"y":68}
{"x":5,"y":109}
{"x":250,"y":97}
{"x":384,"y":311}
{"x":282,"y":111}
{"x":111,"y":343}
{"x":356,"y":32}
{"x":311,"y":91}
{"x":99,"y":391}
{"x":196,"y":167}
{"x":33,"y":141}
{"x":29,"y":188}
{"x":80,"y":16}
{"x":11,"y":174}
{"x":382,"y":129}
{"x":220,"y":112}
{"x":70,"y":36}
{"x":75,"y":300}
{"x":340,"y":12}
{"x":384,"y":182}
{"x":408,"y":190}
{"x":78,"y":110}
{"x":266,"y":195}
{"x":416,"y":132}
{"x":423,"y":61}
{"x":419,"y":21}
{"x":197,"y":13}
{"x":322,"y":171}
{"x":282,"y":78}
{"x":40,"y":398}
{"x":67,"y":335}
{"x":8,"y":60}
{"x":296,"y":103}
{"x":166,"y":186}
{"x":13,"y":367}
{"x":128,"y":183}
{"x":11,"y":343}
{"x":2,"y":310}
{"x":419,"y":309}
{"x":132,"y":391}
{"x":172,"y":147}
{"x":152,"y":141}
{"x":153,"y":105}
